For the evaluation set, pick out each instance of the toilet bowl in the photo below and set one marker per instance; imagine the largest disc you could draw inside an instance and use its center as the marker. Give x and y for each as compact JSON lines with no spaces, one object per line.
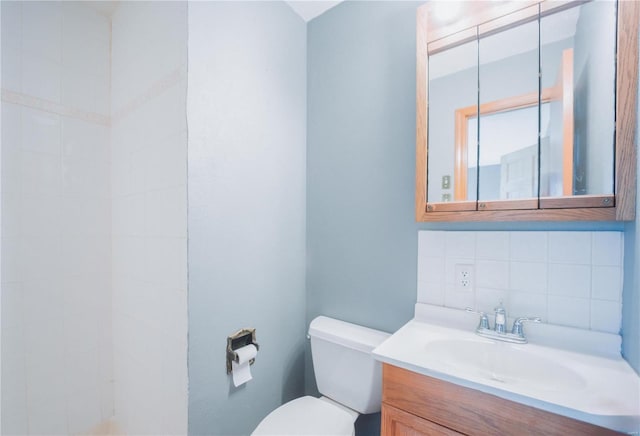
{"x":347,"y":376}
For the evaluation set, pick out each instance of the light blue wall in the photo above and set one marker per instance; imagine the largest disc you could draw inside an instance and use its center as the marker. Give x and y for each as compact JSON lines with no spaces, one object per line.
{"x":247,"y":133}
{"x":361,"y":230}
{"x":631,"y":291}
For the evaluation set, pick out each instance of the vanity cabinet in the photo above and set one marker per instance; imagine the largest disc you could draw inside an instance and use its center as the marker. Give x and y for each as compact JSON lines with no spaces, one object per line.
{"x":414,"y":404}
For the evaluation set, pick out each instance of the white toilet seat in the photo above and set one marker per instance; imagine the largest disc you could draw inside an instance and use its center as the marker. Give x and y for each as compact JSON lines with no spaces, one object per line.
{"x":306,"y":416}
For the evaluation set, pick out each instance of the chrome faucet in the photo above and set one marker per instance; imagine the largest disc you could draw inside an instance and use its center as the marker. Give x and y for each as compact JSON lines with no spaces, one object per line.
{"x":517,"y":325}
{"x":499,"y":330}
{"x":500,"y":324}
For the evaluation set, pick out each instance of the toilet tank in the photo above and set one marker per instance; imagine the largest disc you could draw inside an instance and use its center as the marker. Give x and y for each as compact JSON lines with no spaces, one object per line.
{"x":345,"y":370}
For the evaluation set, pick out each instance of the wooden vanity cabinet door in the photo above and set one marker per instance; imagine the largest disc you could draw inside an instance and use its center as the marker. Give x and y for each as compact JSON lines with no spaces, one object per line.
{"x":469,"y":411}
{"x":396,"y":422}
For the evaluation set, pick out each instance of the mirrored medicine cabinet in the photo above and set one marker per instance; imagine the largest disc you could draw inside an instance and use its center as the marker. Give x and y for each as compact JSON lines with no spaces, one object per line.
{"x":526,"y":110}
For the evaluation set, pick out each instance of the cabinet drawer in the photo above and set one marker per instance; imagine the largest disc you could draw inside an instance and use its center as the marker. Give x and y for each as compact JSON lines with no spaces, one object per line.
{"x":473,"y":412}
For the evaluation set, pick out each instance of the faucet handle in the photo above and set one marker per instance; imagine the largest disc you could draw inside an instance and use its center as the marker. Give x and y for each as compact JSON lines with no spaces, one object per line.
{"x":517,"y":324}
{"x":484,"y":319}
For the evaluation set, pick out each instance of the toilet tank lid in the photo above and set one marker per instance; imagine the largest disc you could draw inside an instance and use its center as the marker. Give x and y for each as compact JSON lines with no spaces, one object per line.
{"x":344,"y":333}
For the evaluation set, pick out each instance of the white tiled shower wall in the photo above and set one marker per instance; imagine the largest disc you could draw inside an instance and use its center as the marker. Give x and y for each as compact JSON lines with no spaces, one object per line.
{"x":94,"y":303}
{"x":149,"y":216}
{"x":566,"y":278}
{"x":56,"y":249}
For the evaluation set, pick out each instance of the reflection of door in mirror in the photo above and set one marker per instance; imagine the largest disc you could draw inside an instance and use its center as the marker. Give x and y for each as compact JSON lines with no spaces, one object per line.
{"x":507,"y":128}
{"x":510,"y":163}
{"x":519,"y":172}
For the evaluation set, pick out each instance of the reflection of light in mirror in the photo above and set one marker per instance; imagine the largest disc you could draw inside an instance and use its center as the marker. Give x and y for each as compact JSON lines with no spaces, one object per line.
{"x":446,"y":11}
{"x":505,"y":132}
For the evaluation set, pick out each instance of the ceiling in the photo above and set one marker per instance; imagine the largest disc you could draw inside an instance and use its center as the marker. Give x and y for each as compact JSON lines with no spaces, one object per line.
{"x":309,"y":9}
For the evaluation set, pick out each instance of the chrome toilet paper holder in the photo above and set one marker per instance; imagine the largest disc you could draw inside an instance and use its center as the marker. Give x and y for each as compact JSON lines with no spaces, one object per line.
{"x":240,"y":339}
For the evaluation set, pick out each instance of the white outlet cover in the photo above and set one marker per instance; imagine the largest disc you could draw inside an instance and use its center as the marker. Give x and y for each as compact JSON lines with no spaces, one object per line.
{"x":464,"y":277}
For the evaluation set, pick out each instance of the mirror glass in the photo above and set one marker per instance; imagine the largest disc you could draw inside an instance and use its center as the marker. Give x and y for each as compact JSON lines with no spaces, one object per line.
{"x":508,"y":124}
{"x":453,"y":84}
{"x":578,"y":62}
{"x":527,"y":111}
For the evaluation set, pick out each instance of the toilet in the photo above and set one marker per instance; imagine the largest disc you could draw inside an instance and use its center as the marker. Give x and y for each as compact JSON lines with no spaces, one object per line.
{"x":348,"y":378}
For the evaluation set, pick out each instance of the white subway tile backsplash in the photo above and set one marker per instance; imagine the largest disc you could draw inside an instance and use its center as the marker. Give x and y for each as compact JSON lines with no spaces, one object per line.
{"x":573,"y":312}
{"x":566,"y":278}
{"x":431,"y":293}
{"x":528,"y":246}
{"x":431,"y":270}
{"x":570,"y":280}
{"x":606,"y":283}
{"x":488,"y":299}
{"x":570,"y":247}
{"x":528,"y":277}
{"x":606,"y":316}
{"x":431,"y":244}
{"x":607,"y":248}
{"x":492,"y":274}
{"x":527,"y":304}
{"x":460,"y":244}
{"x":492,"y":245}
{"x":456,"y":299}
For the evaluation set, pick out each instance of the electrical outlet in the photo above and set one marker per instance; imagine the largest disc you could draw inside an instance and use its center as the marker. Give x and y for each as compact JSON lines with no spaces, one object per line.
{"x":464,"y":277}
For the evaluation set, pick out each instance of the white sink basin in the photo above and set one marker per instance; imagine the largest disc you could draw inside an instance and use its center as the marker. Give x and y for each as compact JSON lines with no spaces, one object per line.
{"x":504,"y":363}
{"x":604,"y":391}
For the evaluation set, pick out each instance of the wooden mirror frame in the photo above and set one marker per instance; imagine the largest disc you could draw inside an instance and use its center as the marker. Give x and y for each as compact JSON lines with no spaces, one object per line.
{"x":489,"y":17}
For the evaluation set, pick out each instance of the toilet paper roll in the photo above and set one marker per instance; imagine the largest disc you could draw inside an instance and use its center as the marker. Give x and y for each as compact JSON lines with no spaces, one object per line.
{"x":241,"y":370}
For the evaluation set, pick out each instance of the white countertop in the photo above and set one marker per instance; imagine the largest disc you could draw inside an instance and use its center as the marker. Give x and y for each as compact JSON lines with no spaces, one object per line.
{"x":604,"y":391}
